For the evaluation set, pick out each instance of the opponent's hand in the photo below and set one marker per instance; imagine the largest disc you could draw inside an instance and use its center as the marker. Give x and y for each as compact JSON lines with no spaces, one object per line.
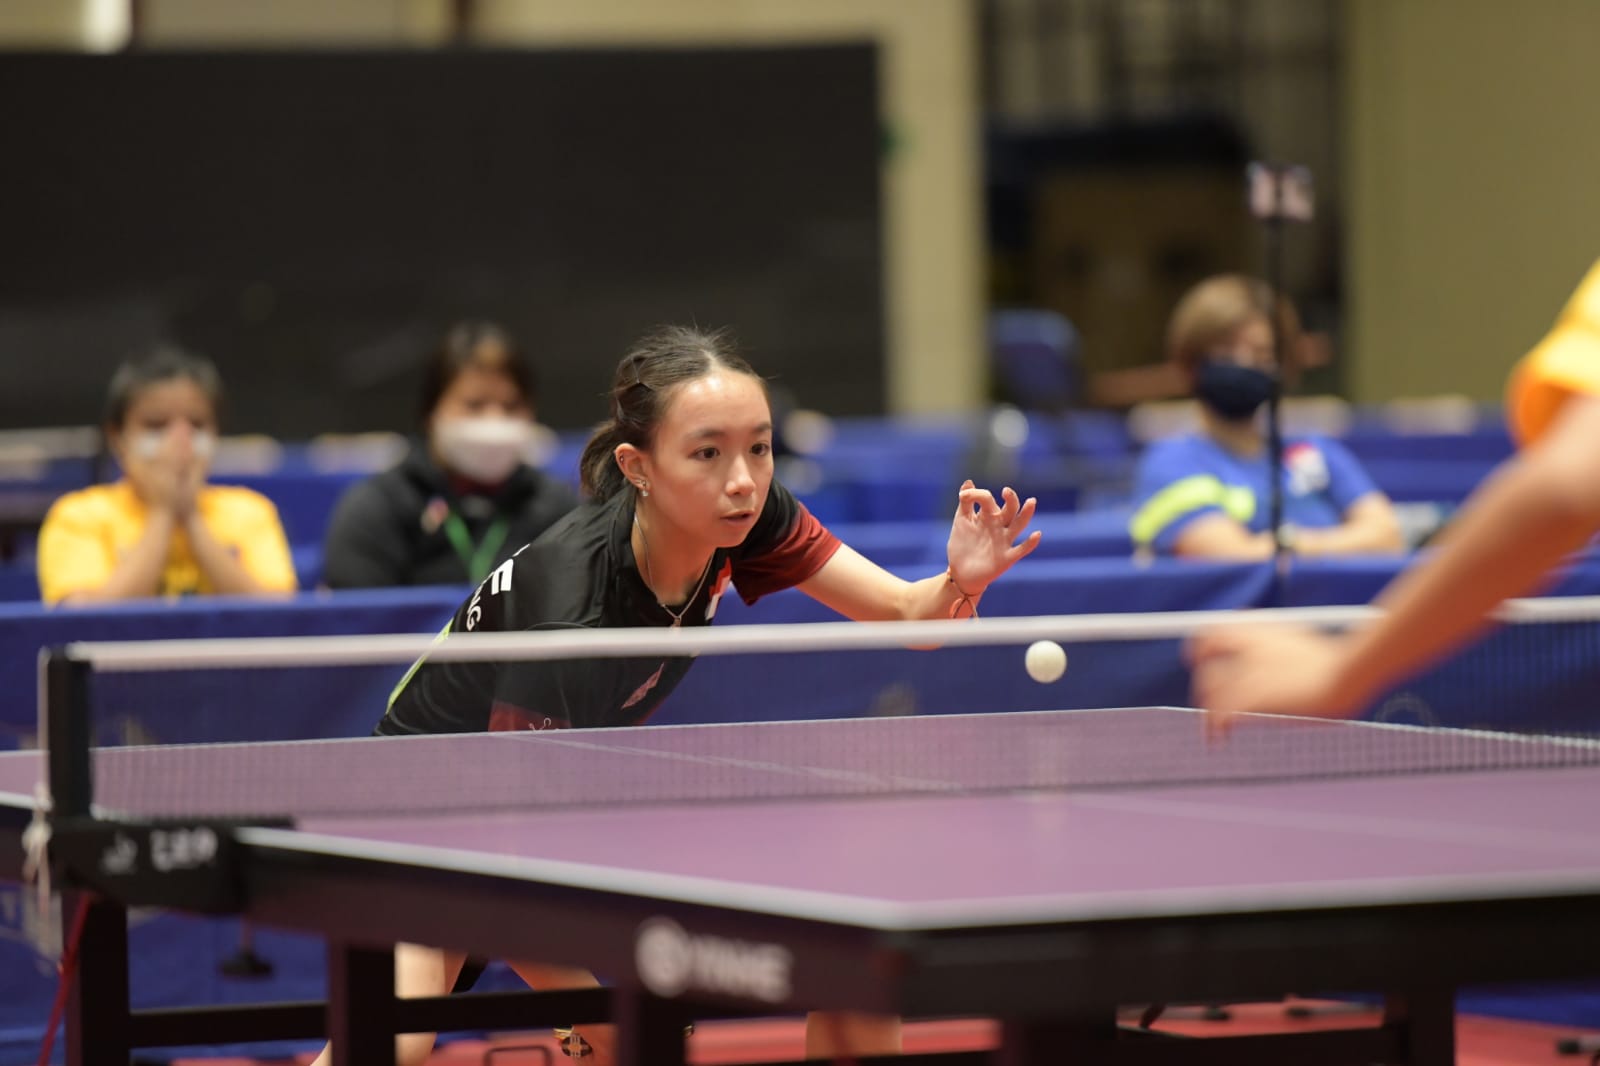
{"x":1269,"y":670}
{"x":983,"y":538}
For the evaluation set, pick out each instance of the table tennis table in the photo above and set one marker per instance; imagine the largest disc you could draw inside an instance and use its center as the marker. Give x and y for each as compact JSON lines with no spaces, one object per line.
{"x":1047,"y":869}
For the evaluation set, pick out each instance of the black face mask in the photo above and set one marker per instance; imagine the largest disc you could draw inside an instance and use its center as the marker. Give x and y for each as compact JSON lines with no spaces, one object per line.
{"x":1232,"y":391}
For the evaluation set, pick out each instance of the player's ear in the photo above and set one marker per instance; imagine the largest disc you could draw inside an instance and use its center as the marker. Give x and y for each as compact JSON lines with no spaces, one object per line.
{"x":631,"y":461}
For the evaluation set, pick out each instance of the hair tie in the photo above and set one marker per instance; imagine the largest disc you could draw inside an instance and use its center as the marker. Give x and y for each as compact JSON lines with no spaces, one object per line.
{"x":950,"y":577}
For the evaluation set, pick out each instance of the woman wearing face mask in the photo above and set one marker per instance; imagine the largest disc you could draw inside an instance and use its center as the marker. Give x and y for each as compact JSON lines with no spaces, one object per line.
{"x":161,"y":530}
{"x":464,"y":499}
{"x":1208,"y":494}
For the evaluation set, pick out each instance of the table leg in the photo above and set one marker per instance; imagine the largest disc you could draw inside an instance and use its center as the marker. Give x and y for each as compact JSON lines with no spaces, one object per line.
{"x":1057,"y":1042}
{"x":1426,"y":1019}
{"x":98,"y":1023}
{"x":361,"y":1005}
{"x":650,"y":1030}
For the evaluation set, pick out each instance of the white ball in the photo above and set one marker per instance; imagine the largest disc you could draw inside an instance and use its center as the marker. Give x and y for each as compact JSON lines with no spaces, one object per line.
{"x":1046,"y":662}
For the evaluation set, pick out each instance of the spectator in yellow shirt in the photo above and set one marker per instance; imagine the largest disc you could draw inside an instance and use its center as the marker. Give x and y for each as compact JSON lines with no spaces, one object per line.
{"x":161,"y":530}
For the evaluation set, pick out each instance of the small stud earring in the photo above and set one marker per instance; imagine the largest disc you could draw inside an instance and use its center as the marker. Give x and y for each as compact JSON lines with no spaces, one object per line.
{"x":644,"y":489}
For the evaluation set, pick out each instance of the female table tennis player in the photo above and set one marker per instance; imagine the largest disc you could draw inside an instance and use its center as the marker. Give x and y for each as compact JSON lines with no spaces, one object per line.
{"x":681,"y":505}
{"x":1539,"y":506}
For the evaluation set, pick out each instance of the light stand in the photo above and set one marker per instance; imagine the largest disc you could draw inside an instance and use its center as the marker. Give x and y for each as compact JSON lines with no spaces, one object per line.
{"x":1279,"y":193}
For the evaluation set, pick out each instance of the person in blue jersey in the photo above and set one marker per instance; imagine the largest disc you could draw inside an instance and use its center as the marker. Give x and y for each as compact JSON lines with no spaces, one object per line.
{"x":1207,"y":494}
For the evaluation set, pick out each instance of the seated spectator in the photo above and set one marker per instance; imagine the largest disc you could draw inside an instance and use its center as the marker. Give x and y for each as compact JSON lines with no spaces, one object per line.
{"x":464,"y":499}
{"x":1207,"y":494}
{"x":161,"y":530}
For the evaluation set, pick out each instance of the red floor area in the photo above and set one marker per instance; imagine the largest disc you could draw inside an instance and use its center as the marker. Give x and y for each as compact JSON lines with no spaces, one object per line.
{"x":1481,"y":1041}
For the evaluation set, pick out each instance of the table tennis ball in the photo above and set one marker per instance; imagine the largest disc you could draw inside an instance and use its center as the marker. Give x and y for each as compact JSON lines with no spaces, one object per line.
{"x":1045,"y":661}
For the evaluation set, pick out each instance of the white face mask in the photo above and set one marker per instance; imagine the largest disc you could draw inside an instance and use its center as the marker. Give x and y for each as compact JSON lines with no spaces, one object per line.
{"x":147,"y":445}
{"x":485,"y":449}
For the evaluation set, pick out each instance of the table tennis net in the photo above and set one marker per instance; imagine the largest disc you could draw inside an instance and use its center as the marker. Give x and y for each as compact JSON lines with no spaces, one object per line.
{"x":261,"y":733}
{"x":950,"y":754}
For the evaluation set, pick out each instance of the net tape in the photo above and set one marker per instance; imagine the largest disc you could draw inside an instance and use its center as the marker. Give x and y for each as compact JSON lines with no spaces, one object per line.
{"x":744,"y":639}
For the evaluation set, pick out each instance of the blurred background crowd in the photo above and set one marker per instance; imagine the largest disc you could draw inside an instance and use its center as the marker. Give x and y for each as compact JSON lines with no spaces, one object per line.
{"x":952,"y":233}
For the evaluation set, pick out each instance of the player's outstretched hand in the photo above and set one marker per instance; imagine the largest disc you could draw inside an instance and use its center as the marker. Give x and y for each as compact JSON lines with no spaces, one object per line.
{"x":983,"y":538}
{"x":1269,"y":670}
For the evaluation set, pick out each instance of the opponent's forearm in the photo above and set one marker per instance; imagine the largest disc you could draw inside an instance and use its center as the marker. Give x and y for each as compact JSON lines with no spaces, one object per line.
{"x":1521,"y":523}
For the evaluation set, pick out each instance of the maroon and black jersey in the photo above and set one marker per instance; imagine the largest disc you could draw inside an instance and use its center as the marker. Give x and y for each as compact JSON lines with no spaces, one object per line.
{"x":582,"y":573}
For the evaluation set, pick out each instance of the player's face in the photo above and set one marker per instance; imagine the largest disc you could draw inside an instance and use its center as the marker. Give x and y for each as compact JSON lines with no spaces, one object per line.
{"x":711,"y":460}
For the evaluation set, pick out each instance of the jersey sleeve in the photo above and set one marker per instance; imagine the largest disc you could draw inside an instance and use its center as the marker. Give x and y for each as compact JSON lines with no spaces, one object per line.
{"x":1565,"y":363}
{"x":1348,"y":480}
{"x":74,"y":553}
{"x":1170,"y":491}
{"x":786,"y":547}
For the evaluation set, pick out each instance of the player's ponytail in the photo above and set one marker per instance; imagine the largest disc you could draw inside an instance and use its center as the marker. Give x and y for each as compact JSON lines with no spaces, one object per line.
{"x":640,"y":391}
{"x":598,"y":473}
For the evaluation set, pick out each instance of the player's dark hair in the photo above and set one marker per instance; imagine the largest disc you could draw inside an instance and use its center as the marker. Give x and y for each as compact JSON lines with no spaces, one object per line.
{"x":658,"y":362}
{"x":159,"y":363}
{"x":480,"y":344}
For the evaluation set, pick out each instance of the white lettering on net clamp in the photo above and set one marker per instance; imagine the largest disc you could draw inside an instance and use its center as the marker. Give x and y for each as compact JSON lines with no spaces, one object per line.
{"x":41,"y":919}
{"x":217,"y":653}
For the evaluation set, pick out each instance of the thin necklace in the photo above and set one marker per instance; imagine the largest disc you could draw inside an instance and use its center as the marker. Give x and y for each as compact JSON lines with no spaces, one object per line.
{"x":649,"y":580}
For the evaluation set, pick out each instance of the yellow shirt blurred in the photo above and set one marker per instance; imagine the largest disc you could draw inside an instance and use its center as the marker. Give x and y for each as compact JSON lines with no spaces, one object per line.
{"x":87,"y":532}
{"x":1565,"y":363}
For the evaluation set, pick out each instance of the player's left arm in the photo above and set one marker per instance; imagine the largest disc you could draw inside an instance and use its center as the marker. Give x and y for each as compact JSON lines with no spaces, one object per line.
{"x":983,"y":545}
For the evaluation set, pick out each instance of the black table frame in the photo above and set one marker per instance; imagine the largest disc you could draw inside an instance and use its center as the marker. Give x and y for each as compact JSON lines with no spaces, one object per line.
{"x":1056,"y":987}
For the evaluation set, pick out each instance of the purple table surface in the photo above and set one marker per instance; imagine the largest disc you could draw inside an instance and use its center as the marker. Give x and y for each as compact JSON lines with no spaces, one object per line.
{"x":955,"y":861}
{"x":985,"y":836}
